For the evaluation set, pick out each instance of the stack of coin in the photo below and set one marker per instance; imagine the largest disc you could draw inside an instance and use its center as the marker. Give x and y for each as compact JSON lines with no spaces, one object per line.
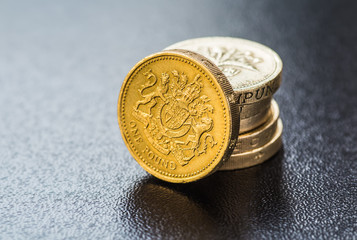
{"x":200,"y":106}
{"x":254,"y":71}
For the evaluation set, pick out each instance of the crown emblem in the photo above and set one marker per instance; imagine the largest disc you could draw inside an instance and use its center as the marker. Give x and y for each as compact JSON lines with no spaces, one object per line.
{"x":175,"y":115}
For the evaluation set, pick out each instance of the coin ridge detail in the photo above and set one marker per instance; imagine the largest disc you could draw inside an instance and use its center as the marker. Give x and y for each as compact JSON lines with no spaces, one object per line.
{"x":256,"y":156}
{"x":263,"y":133}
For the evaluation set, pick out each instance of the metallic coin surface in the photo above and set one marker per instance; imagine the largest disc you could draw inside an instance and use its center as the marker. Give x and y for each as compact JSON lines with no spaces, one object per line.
{"x":258,"y":155}
{"x":254,"y":115}
{"x":178,"y":116}
{"x":254,"y":108}
{"x":253,"y":69}
{"x":261,"y":135}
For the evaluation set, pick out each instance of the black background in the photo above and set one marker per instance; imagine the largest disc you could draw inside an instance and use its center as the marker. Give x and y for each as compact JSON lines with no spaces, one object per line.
{"x":66,"y":173}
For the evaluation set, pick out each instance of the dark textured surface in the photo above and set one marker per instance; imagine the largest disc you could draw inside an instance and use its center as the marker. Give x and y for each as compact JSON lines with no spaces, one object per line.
{"x":65,"y":172}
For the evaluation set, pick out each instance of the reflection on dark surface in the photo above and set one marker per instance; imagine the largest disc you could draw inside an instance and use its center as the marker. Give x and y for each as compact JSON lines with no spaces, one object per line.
{"x":213,"y":206}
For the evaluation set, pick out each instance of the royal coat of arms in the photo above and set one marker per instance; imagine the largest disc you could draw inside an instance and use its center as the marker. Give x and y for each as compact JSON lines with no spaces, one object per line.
{"x":175,"y":115}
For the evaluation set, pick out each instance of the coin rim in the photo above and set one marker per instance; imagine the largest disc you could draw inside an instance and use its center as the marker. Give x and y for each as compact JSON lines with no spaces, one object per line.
{"x":241,"y":160}
{"x":271,"y":123}
{"x":227,"y":98}
{"x":250,"y":124}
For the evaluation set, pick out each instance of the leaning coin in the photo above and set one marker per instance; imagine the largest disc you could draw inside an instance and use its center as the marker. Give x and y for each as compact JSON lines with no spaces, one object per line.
{"x":256,"y":156}
{"x":261,"y":135}
{"x":253,"y":69}
{"x":178,"y":116}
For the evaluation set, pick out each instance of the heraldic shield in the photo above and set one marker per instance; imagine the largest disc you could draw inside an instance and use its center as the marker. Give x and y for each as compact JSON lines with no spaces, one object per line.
{"x":175,"y":116}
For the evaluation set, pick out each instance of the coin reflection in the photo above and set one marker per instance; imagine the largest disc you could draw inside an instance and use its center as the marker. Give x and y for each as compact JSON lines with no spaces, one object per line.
{"x":204,"y":208}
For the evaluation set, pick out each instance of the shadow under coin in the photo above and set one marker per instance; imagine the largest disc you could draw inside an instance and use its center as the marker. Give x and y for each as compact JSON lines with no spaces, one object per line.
{"x":225,"y":204}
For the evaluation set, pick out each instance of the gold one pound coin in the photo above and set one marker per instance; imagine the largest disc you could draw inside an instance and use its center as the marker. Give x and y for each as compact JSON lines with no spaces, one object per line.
{"x":178,"y":116}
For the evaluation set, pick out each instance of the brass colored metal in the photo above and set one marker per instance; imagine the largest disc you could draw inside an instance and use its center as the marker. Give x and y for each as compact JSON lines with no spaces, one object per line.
{"x":258,"y":113}
{"x":178,"y":115}
{"x":254,"y":70}
{"x":261,"y":135}
{"x":250,"y":110}
{"x":256,"y":156}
